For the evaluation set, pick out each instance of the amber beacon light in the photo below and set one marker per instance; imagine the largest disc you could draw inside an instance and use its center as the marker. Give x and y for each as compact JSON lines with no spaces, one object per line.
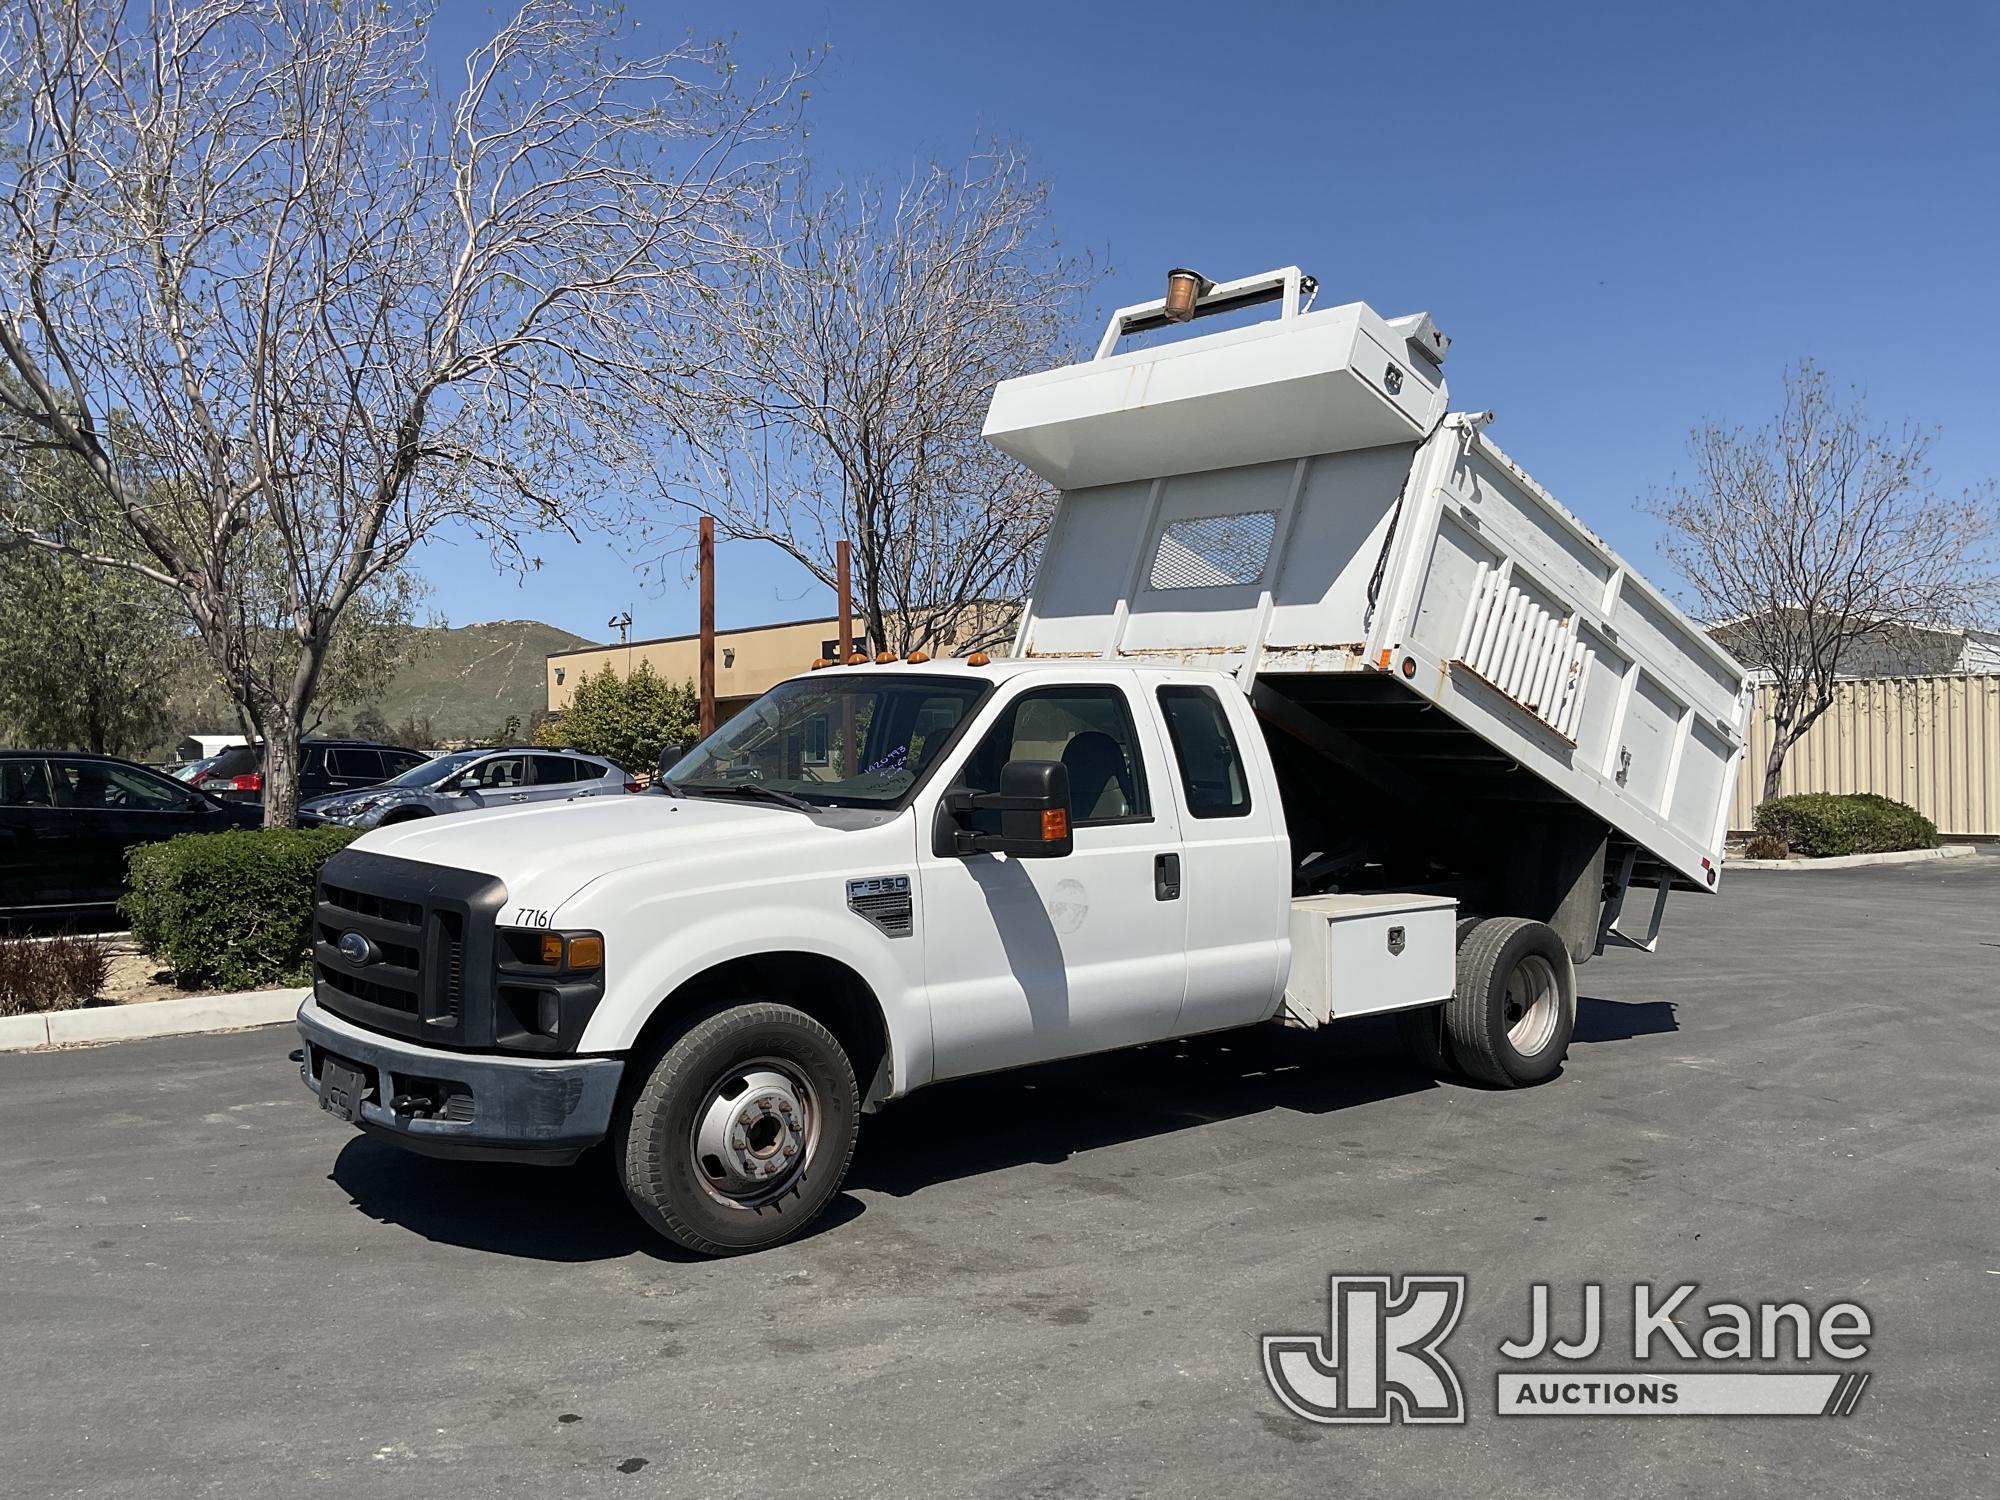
{"x":1185,"y":288}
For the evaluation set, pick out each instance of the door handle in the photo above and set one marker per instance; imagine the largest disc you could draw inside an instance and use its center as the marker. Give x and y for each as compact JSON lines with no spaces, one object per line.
{"x":1166,"y":877}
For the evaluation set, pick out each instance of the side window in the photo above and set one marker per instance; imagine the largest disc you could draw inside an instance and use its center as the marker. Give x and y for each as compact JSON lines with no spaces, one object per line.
{"x":503,"y":770}
{"x":552,"y":770}
{"x":366,"y":764}
{"x":25,"y":783}
{"x":97,"y":784}
{"x":1088,"y":729}
{"x":1212,"y":772}
{"x":312,"y":760}
{"x":396,"y":762}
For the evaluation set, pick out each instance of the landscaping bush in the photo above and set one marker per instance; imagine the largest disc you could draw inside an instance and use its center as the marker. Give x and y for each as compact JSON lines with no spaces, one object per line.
{"x":1822,"y":824}
{"x":230,"y":909}
{"x":59,"y":973}
{"x":1766,"y":846}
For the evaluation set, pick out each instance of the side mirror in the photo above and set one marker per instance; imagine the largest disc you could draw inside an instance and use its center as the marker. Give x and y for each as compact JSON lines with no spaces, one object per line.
{"x":669,"y":756}
{"x":1033,"y":804}
{"x":469,"y":782}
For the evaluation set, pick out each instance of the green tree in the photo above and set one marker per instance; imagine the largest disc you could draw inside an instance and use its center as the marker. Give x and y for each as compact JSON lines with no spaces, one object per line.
{"x":85,"y":653}
{"x":626,"y":719}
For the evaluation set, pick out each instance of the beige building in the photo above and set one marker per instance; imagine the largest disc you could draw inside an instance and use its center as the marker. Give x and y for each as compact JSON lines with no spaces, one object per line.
{"x":1933,"y":742}
{"x":746,"y":661}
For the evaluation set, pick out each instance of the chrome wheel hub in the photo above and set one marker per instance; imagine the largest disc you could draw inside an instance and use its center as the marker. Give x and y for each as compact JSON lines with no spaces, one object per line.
{"x":756,"y":1133}
{"x":1533,"y":1001}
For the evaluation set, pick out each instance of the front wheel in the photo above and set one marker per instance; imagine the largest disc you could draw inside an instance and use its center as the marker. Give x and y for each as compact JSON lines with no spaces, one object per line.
{"x":741,"y":1133}
{"x":1515,"y":1008}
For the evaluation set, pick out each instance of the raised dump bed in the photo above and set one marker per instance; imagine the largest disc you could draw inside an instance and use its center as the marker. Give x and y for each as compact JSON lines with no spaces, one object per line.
{"x":1290,"y":502}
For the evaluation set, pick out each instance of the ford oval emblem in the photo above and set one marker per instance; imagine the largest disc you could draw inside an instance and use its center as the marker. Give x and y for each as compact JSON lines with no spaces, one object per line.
{"x":356,"y":949}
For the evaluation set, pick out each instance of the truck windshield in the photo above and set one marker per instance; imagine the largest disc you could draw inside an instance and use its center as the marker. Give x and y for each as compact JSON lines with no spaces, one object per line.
{"x":845,"y":740}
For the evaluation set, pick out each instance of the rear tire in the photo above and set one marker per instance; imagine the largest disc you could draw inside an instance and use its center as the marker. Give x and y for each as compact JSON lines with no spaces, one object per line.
{"x":1510,"y":1021}
{"x":742,"y":1131}
{"x":1422,"y":1031}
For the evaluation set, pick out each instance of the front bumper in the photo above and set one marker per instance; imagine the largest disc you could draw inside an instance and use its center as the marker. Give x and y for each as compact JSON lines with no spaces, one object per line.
{"x":483,"y":1107}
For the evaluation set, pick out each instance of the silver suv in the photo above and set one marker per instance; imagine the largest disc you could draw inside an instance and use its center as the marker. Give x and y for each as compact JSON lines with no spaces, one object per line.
{"x":469,"y":779}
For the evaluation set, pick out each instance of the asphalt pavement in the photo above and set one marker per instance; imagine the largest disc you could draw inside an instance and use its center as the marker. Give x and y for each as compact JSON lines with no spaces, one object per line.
{"x":1052,"y":1283}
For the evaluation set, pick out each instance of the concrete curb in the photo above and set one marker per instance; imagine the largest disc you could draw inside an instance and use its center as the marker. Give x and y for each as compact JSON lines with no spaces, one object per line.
{"x":1855,"y":861}
{"x":122,"y":1023}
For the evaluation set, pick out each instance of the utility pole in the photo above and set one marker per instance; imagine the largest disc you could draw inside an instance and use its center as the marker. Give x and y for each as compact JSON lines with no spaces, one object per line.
{"x":846,"y":592}
{"x":705,"y":563}
{"x":845,"y":603}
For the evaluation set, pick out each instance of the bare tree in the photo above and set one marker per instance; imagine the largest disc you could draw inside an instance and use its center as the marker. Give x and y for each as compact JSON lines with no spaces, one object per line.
{"x":851,"y":377}
{"x":340,"y":309}
{"x":1819,"y":533}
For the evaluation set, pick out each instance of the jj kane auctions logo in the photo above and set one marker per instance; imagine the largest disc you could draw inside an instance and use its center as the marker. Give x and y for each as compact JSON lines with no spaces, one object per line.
{"x":1381,"y":1359}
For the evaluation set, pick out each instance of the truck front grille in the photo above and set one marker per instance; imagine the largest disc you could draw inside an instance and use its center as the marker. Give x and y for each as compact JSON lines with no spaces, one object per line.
{"x":425,"y":927}
{"x":369,"y":904}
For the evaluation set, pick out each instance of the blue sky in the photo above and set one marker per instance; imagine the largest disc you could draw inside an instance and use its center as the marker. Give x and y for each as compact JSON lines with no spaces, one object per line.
{"x":1627,"y":218}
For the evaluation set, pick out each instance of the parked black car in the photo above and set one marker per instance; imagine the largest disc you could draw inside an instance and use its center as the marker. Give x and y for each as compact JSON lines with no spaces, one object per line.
{"x":66,"y":821}
{"x":325,"y":766}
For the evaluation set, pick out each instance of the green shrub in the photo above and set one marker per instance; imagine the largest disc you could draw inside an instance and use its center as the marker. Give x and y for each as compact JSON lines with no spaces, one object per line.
{"x":628,"y":720}
{"x":58,"y":973}
{"x":230,"y":909}
{"x":1822,"y":824}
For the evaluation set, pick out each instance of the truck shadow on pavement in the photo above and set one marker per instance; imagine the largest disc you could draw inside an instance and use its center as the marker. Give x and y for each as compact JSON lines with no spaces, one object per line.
{"x":1045,"y":1114}
{"x":1622,"y":1020}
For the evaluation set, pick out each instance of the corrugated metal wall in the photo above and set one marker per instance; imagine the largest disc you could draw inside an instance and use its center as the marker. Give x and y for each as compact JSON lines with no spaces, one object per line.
{"x":1933,"y":742}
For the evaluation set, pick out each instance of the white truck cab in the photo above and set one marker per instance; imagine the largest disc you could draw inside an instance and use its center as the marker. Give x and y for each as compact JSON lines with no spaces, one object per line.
{"x":1337,"y":713}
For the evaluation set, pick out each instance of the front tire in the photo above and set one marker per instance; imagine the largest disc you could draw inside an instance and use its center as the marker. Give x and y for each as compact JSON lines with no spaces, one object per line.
{"x":1511,"y":1018}
{"x":742,"y":1132}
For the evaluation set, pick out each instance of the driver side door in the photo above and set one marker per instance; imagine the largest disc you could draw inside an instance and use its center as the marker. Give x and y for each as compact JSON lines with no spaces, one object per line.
{"x":1031,"y":959}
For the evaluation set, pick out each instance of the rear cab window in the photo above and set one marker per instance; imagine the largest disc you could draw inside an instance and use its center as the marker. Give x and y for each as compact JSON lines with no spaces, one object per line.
{"x":1212,"y":773}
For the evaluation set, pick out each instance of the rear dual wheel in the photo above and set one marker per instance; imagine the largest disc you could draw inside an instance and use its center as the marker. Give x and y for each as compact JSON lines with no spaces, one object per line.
{"x":1511,"y":1016}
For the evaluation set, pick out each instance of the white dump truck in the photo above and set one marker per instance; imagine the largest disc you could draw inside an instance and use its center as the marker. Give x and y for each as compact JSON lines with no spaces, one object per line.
{"x":1321,"y":707}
